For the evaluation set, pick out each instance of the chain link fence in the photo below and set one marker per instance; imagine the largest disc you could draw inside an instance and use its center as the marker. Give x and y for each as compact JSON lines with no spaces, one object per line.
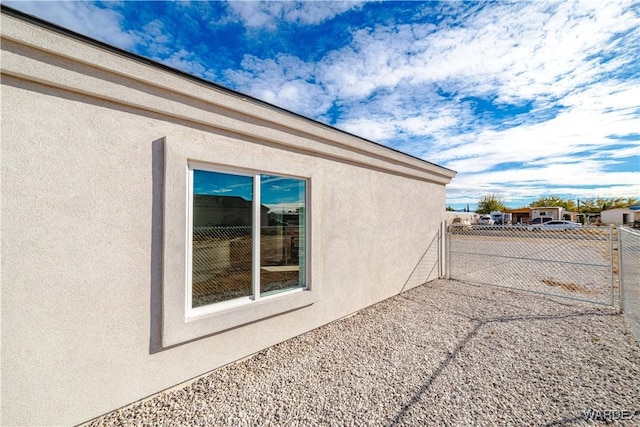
{"x":574,"y":263}
{"x":222,"y":260}
{"x":221,"y":264}
{"x":629,"y":268}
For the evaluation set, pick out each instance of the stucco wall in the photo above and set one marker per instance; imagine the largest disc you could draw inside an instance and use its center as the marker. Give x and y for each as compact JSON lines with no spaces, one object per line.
{"x":462,"y":217}
{"x":82,"y":223}
{"x":616,"y":216}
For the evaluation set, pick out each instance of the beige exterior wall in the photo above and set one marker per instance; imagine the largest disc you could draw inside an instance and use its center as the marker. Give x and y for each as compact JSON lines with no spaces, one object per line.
{"x":618,"y":216}
{"x":84,"y":138}
{"x":461,"y":217}
{"x":552,"y":212}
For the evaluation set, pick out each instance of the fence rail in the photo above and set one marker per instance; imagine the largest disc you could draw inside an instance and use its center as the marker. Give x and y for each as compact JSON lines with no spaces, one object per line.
{"x":576,"y":264}
{"x":629,"y":268}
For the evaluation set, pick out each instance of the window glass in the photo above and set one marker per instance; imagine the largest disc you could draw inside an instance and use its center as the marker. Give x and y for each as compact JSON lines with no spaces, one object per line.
{"x":282,"y":233}
{"x":224,"y":254}
{"x":222,"y":237}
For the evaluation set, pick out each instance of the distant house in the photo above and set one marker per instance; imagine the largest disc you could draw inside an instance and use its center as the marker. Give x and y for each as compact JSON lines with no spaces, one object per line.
{"x":621,"y":216}
{"x":553,"y":212}
{"x":520,"y":215}
{"x":108,"y":161}
{"x":224,"y":211}
{"x":466,"y":218}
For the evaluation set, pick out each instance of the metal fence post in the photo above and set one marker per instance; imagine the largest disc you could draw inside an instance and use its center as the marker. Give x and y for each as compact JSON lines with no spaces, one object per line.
{"x":448,"y":252}
{"x":441,"y":251}
{"x":620,"y":269}
{"x":611,"y":267}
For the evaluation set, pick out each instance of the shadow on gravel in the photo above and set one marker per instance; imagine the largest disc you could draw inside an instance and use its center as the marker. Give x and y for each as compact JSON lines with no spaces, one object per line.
{"x":480,"y":323}
{"x":566,"y":421}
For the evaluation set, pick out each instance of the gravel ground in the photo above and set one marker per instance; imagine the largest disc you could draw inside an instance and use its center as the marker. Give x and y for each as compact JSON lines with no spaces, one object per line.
{"x":445,"y":353}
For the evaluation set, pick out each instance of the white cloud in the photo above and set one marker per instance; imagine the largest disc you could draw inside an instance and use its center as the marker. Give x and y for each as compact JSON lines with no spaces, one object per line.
{"x":157,"y":39}
{"x":370,"y":128}
{"x":267,"y":14}
{"x":551,"y":60}
{"x":590,"y":117}
{"x":283,"y":81}
{"x":186,"y":61}
{"x":495,"y":51}
{"x":83,"y":17}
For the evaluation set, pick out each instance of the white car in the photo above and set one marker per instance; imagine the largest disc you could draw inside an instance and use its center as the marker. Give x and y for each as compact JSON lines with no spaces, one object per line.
{"x":556,"y":225}
{"x":485,"y":220}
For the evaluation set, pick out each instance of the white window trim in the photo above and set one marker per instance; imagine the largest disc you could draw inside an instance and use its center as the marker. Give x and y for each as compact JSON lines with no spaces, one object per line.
{"x":255,"y":238}
{"x":180,"y":322}
{"x":192,"y":313}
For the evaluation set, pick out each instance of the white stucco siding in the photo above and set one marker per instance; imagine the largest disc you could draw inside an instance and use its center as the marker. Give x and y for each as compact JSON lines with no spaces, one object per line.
{"x":83,"y":226}
{"x":619,"y":216}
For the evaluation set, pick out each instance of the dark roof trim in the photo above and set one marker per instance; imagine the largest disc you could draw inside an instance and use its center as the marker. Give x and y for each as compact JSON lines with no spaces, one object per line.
{"x":116,"y":50}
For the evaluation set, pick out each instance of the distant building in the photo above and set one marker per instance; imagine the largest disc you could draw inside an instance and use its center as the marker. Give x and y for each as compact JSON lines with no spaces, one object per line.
{"x":465,"y":218}
{"x":621,"y":216}
{"x":225,"y":211}
{"x":520,"y":215}
{"x":553,"y":212}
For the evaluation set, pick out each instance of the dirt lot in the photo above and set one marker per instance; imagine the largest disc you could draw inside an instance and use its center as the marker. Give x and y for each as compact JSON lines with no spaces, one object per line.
{"x":574,"y":264}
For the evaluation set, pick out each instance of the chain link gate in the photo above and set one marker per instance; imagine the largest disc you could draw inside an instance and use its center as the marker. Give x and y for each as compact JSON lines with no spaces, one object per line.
{"x":629,"y":268}
{"x":576,"y":264}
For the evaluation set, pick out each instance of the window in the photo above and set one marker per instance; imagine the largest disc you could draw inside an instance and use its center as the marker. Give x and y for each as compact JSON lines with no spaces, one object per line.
{"x":248,"y":238}
{"x":237,"y":233}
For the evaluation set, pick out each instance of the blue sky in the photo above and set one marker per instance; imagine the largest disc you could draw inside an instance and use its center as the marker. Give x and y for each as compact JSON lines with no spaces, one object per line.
{"x":276,"y":192}
{"x":522,"y":99}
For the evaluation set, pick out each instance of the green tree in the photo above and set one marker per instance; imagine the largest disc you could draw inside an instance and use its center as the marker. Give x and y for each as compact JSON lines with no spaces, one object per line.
{"x":551,"y":201}
{"x":490,"y":203}
{"x":450,"y":209}
{"x":611,"y":203}
{"x":602,"y":203}
{"x":590,"y":205}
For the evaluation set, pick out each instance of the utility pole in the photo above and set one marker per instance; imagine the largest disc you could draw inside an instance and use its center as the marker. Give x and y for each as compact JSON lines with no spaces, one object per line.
{"x":579,"y":211}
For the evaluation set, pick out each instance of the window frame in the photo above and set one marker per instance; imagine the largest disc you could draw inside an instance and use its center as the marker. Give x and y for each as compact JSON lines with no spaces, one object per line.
{"x":256,"y":224}
{"x":179,"y":326}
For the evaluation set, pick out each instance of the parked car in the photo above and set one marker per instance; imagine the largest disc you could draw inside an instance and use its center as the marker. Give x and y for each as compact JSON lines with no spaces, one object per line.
{"x":539,"y":220}
{"x":555,"y":225}
{"x":485,"y":220}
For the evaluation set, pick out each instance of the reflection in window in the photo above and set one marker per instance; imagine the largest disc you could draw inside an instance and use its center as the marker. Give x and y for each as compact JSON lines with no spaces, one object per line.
{"x":222,"y":241}
{"x":223,"y":208}
{"x":282,"y":239}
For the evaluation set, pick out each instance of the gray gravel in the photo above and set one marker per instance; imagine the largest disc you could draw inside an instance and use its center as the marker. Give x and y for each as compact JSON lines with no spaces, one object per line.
{"x":445,"y":353}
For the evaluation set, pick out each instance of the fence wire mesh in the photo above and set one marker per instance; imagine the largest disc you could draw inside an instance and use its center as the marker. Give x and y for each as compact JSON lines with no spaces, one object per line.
{"x":629,"y":268}
{"x":575,"y":263}
{"x":221,"y":264}
{"x":222,"y":260}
